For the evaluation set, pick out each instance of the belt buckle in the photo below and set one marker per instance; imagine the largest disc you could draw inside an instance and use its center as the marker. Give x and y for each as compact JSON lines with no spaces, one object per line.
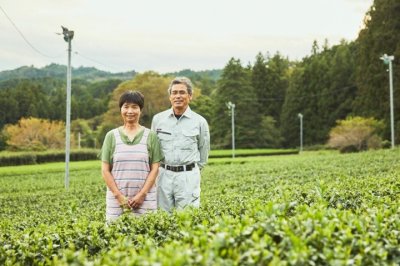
{"x":179,"y":168}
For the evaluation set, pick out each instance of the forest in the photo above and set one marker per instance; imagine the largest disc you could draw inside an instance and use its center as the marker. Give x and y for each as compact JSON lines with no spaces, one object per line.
{"x":332,"y":83}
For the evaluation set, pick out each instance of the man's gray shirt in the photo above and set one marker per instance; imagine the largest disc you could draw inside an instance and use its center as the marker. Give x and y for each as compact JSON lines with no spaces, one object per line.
{"x":184,"y":140}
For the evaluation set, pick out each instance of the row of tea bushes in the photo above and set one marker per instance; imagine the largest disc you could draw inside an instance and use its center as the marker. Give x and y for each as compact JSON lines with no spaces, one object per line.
{"x":313,"y":209}
{"x":26,"y":158}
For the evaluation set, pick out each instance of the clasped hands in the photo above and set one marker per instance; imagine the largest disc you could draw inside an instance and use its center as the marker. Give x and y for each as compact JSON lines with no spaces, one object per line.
{"x":131,"y":203}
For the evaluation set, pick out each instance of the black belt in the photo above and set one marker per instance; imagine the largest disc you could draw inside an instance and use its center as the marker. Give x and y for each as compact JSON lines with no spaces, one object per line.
{"x":179,"y":168}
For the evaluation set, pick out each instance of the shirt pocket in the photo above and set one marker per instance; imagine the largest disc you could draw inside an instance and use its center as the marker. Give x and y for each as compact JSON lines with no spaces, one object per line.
{"x":165,"y":139}
{"x":189,"y":139}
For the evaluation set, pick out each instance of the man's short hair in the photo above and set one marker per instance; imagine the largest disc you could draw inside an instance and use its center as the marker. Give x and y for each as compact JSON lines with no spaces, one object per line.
{"x":181,"y":80}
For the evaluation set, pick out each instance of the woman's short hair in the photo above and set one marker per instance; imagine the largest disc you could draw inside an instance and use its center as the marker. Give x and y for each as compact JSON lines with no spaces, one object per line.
{"x":181,"y":80}
{"x":132,"y":97}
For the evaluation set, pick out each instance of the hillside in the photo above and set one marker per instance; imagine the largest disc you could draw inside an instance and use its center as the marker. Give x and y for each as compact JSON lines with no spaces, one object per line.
{"x":213,"y":74}
{"x":59,"y":71}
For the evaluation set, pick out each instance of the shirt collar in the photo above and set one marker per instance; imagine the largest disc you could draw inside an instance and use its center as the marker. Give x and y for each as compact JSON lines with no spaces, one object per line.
{"x":188,"y":112}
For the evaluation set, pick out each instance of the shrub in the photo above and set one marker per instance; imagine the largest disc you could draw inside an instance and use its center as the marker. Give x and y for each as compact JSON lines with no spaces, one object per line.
{"x":356,"y":134}
{"x":34,"y":134}
{"x":386,"y":144}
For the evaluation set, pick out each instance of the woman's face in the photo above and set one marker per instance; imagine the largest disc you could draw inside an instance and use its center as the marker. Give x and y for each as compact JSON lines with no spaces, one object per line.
{"x":130,"y":112}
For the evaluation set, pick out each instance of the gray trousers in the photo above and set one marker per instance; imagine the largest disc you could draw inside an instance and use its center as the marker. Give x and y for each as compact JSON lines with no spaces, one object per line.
{"x":178,"y":189}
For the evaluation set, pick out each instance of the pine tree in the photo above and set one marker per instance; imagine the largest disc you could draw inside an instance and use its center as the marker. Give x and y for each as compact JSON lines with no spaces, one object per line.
{"x":259,"y":80}
{"x":292,"y":106}
{"x":269,"y":80}
{"x":235,"y":86}
{"x":380,"y":35}
{"x":278,"y":82}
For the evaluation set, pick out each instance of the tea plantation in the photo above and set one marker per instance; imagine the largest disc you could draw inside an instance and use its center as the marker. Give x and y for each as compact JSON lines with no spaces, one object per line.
{"x":308,"y":209}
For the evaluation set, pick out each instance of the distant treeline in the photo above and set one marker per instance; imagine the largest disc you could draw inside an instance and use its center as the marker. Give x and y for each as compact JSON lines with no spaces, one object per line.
{"x":59,"y":71}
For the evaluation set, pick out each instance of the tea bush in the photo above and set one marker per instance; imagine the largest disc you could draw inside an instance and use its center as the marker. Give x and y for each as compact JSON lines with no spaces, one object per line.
{"x":311,"y":209}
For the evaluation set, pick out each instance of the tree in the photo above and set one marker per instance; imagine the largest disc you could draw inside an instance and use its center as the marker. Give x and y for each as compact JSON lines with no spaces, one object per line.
{"x":82,"y":133}
{"x":235,"y":86}
{"x":155,"y":90}
{"x":270,"y":81}
{"x":356,"y":134}
{"x":381,"y":34}
{"x":291,"y":107}
{"x":35,"y":134}
{"x":203,"y":105}
{"x":8,"y":108}
{"x":271,"y":134}
{"x":31,"y":99}
{"x":259,"y":81}
{"x":278,"y":71}
{"x":322,"y":88}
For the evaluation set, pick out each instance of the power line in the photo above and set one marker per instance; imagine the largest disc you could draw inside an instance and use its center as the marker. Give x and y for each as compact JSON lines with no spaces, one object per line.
{"x":96,"y":61}
{"x":272,"y":99}
{"x":25,"y":39}
{"x":46,"y":55}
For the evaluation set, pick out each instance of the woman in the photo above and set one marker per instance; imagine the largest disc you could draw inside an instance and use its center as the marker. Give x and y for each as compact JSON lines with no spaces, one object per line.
{"x":130,"y":159}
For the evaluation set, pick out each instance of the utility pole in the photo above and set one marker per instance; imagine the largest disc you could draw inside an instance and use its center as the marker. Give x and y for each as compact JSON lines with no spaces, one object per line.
{"x":68,"y":35}
{"x":387,"y":59}
{"x":79,"y":140}
{"x":231,"y":106}
{"x":301,"y":131}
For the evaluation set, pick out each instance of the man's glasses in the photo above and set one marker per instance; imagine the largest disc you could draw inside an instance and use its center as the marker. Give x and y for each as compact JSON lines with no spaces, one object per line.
{"x":182,"y":92}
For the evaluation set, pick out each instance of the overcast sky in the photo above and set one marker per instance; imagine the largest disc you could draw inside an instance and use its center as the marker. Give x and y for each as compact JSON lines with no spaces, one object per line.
{"x":170,"y":35}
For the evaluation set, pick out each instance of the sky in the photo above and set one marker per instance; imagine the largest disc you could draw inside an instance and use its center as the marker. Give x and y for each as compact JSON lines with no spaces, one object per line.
{"x":167,"y":36}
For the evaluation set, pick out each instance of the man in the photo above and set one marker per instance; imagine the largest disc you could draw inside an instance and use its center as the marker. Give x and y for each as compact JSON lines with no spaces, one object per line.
{"x":185,"y":141}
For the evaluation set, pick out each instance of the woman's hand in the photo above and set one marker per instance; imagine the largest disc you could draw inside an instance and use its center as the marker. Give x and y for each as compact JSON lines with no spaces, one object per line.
{"x":122,"y":200}
{"x":137,"y":200}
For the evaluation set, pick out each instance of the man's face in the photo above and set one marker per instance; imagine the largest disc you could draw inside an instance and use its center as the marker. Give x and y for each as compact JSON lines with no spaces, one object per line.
{"x":179,"y":97}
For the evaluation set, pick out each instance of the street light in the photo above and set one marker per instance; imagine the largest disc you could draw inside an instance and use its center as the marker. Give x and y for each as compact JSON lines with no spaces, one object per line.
{"x":387,"y":59}
{"x":68,"y":35}
{"x":231,"y":106}
{"x":301,"y":131}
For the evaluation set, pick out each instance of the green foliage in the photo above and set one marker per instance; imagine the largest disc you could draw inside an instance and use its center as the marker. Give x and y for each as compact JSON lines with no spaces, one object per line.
{"x":322,"y":89}
{"x":59,"y":71}
{"x":270,"y":78}
{"x":235,"y":86}
{"x":379,"y":36}
{"x":250,"y":152}
{"x":24,"y":100}
{"x":46,"y":98}
{"x":271,"y":135}
{"x":330,"y":84}
{"x":312,"y":209}
{"x":204,"y":106}
{"x":26,"y":158}
{"x":197,"y":76}
{"x":8,"y":158}
{"x":356,"y":134}
{"x":155,"y":90}
{"x":83,"y":134}
{"x":35,"y":134}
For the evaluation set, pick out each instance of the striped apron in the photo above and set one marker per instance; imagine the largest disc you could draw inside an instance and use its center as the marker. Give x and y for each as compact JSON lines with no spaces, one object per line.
{"x":130,"y":169}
